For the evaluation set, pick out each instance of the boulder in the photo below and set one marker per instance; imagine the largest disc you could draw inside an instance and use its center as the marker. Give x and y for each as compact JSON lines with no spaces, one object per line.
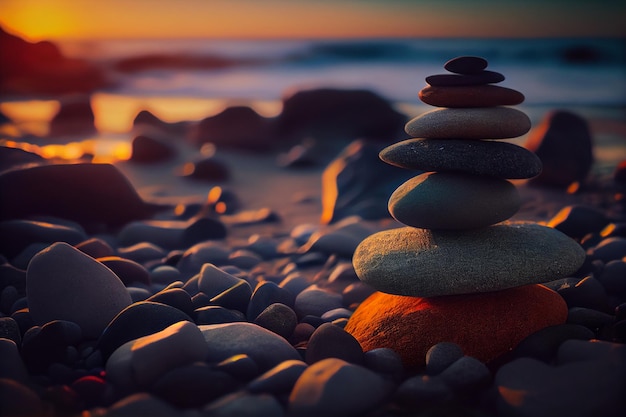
{"x":74,"y":118}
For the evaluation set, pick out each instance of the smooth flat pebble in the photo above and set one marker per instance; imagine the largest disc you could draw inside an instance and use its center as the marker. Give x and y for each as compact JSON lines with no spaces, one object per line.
{"x":140,"y":362}
{"x":266,"y":348}
{"x":316,"y":301}
{"x":450,"y":200}
{"x":476,"y":123}
{"x":466,"y":64}
{"x":470,"y":96}
{"x":333,"y":387}
{"x":492,"y":158}
{"x":331,"y":341}
{"x":429,"y":263}
{"x":62,"y":283}
{"x":594,"y":387}
{"x":442,"y":355}
{"x":484,"y":325}
{"x":138,"y":320}
{"x":17,"y":235}
{"x":478,"y":78}
{"x":280,"y":379}
{"x":242,"y":404}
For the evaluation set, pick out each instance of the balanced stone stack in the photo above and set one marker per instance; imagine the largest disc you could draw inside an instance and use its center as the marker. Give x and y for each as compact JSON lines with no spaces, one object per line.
{"x":459,"y":272}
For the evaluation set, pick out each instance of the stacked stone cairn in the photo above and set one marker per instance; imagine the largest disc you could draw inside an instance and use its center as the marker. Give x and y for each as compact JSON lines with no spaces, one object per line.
{"x":459,"y":271}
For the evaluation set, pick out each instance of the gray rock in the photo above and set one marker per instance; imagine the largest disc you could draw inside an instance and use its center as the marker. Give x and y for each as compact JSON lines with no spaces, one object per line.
{"x":331,"y":341}
{"x":470,"y":123}
{"x":480,"y":157}
{"x":242,"y":404}
{"x":266,"y":348}
{"x":65,"y":284}
{"x":442,"y":355}
{"x":17,"y":235}
{"x":333,"y":387}
{"x":214,"y":280}
{"x":427,"y":263}
{"x":11,"y":364}
{"x":467,"y":374}
{"x":140,"y":362}
{"x":448,"y":200}
{"x":278,"y":380}
{"x":527,"y":387}
{"x":315,"y":301}
{"x":564,"y":144}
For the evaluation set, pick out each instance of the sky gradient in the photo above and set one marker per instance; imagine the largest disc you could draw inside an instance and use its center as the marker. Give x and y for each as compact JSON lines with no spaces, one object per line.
{"x":80,"y":19}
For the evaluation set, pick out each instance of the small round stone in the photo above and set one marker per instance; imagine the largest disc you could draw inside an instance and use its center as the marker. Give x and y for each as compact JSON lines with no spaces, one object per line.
{"x":447,"y":200}
{"x":466,"y":64}
{"x":442,"y":355}
{"x":476,"y":123}
{"x":331,"y":341}
{"x":480,"y":157}
{"x":429,"y":263}
{"x":464,"y":96}
{"x":479,"y":78}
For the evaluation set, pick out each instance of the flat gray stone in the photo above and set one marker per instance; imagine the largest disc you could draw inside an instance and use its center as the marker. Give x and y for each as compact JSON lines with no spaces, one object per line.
{"x":448,"y":200}
{"x":470,"y":123}
{"x":493,"y":158}
{"x":428,"y":263}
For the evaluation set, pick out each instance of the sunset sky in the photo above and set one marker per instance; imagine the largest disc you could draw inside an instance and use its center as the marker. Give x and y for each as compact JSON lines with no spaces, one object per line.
{"x":58,"y":19}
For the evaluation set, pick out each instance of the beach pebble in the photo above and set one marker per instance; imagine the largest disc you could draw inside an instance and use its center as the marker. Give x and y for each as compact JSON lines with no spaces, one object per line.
{"x":610,"y":249}
{"x":140,"y":362}
{"x":242,"y":367}
{"x":278,"y":318}
{"x":149,"y":150}
{"x":427,"y":263}
{"x":331,"y":242}
{"x":218,"y":315}
{"x":613,"y":276}
{"x":333,"y":387}
{"x":336,"y":314}
{"x":384,"y":361}
{"x":578,"y":220}
{"x":142,"y":252}
{"x":236,"y":297}
{"x":442,"y":355}
{"x":265,"y":294}
{"x":213,"y":280}
{"x":141,"y":404}
{"x":295,"y":283}
{"x":419,"y":323}
{"x":91,"y":389}
{"x":588,"y":317}
{"x":165,"y":274}
{"x":11,"y":364}
{"x":18,"y":399}
{"x":590,"y":350}
{"x":244,"y":259}
{"x":266,"y":348}
{"x":242,"y":404}
{"x":467,"y":375}
{"x":194,"y":258}
{"x":127,"y":271}
{"x":448,"y":200}
{"x":17,"y":235}
{"x":492,"y":158}
{"x":278,"y":380}
{"x":331,"y":341}
{"x":588,"y":292}
{"x":478,"y":78}
{"x":564,"y":143}
{"x":545,"y":388}
{"x":468,"y":96}
{"x":544,"y":343}
{"x":193,"y":385}
{"x":65,"y":284}
{"x":10,"y":330}
{"x":138,"y":320}
{"x":419,"y":391}
{"x":302,"y":333}
{"x":96,"y":248}
{"x":466,"y":64}
{"x":14,"y":157}
{"x":90,"y":194}
{"x":477,"y":123}
{"x":316,"y":301}
{"x":174,"y":297}
{"x":210,"y":169}
{"x":355,"y":293}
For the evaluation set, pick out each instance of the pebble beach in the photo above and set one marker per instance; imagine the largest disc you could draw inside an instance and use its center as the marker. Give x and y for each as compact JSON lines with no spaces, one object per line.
{"x":309,"y":280}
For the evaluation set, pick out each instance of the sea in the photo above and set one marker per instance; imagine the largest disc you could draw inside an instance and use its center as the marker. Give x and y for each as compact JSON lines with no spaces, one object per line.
{"x":575,"y":74}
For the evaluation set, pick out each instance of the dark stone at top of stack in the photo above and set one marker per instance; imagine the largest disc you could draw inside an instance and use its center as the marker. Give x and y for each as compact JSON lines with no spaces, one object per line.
{"x":483,"y":77}
{"x":466,"y":65}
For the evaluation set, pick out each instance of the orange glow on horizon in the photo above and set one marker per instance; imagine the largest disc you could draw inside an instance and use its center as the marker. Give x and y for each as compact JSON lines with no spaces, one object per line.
{"x":95,"y":19}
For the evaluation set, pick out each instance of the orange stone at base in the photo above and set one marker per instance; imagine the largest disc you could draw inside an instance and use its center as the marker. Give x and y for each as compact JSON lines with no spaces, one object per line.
{"x":485,"y":325}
